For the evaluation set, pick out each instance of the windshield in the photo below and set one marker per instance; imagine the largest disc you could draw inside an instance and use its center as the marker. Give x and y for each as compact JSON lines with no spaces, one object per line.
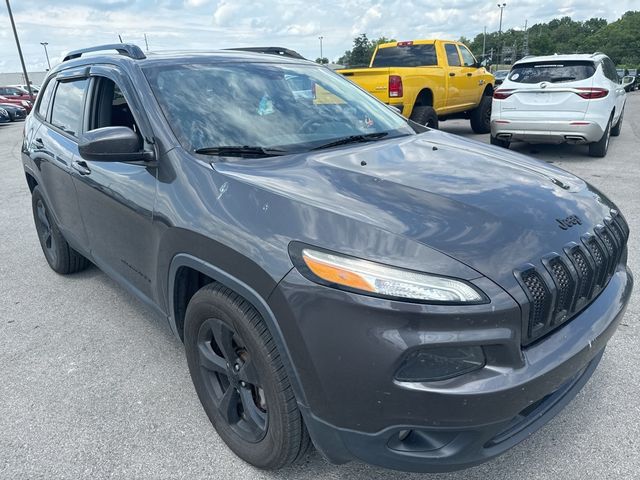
{"x":554,"y":71}
{"x":290,"y":107}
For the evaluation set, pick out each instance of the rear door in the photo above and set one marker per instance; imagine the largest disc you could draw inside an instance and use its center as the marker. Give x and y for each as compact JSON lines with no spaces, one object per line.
{"x":54,"y":149}
{"x":548,"y":86}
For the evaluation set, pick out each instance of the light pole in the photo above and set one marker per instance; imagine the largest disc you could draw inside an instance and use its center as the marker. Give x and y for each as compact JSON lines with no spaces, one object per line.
{"x":321,"y":57}
{"x":44,"y":44}
{"x":501,"y":7}
{"x":484,"y":41}
{"x":15,"y":34}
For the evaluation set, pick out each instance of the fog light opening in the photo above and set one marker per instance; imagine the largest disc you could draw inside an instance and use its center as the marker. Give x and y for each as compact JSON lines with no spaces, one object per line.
{"x":430,"y":364}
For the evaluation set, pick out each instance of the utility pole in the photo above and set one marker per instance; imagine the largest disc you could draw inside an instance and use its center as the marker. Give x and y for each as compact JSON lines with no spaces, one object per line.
{"x":44,"y":44}
{"x":501,"y":7}
{"x":146,"y":42}
{"x":15,"y":34}
{"x":525,"y":42}
{"x":321,"y":57}
{"x":484,"y":41}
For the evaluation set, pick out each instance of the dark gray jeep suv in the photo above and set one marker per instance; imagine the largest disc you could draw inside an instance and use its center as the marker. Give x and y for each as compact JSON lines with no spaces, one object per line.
{"x":338,"y":275}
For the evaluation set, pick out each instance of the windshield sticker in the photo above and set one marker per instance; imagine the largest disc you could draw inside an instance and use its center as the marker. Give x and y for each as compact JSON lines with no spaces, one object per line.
{"x":266,"y":106}
{"x":515,"y":76}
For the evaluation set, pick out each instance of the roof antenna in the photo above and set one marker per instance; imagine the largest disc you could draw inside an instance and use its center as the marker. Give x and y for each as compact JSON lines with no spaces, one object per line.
{"x":146,"y":41}
{"x":120,"y":37}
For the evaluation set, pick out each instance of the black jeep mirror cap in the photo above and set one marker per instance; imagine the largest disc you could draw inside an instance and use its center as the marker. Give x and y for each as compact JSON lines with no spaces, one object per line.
{"x":111,"y":144}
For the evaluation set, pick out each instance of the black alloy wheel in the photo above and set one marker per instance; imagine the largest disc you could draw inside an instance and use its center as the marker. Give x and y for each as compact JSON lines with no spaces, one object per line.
{"x":228,"y":371}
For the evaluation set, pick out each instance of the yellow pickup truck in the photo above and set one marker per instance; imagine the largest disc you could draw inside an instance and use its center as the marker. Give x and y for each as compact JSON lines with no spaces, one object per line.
{"x":429,"y":80}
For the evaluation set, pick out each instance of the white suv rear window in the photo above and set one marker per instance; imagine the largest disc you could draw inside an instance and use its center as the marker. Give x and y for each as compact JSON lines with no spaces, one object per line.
{"x":554,"y":72}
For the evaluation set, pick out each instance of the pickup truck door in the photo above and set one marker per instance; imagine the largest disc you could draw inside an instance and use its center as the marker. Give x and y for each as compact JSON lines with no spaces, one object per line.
{"x":474,"y":83}
{"x":457,"y":81}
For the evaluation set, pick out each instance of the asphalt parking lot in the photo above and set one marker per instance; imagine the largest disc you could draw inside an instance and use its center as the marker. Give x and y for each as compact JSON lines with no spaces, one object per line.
{"x":92,"y":385}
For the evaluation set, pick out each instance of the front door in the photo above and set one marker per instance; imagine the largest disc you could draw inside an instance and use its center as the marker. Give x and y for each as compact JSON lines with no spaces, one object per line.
{"x":117,"y":198}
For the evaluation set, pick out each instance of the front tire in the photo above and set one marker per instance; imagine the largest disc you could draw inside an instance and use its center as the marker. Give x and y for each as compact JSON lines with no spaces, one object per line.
{"x":480,"y":116}
{"x":240,"y":380}
{"x":59,"y":255}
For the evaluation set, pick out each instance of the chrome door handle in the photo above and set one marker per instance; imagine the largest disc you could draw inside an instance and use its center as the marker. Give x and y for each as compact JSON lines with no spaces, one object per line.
{"x":81,"y":167}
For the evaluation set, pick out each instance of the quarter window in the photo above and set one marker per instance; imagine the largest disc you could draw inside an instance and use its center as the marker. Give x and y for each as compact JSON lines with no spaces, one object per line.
{"x":45,"y":99}
{"x":453,"y":58}
{"x":68,"y":104}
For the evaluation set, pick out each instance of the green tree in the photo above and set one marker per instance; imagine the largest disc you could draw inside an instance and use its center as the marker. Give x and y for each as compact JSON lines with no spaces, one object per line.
{"x":322,"y":61}
{"x":363,"y":48}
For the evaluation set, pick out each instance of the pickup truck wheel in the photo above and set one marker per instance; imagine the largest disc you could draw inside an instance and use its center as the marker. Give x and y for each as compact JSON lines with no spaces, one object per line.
{"x":599,"y":148}
{"x":59,"y":255}
{"x":425,"y":115}
{"x":499,"y":142}
{"x":481,"y":116}
{"x":240,"y":380}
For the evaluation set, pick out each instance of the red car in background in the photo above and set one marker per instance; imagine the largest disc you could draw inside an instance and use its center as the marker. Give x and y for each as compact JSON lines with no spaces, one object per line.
{"x":16,"y":93}
{"x":20,"y":102}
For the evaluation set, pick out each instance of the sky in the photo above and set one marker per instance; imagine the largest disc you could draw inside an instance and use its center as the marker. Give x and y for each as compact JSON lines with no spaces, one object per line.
{"x":208,"y":24}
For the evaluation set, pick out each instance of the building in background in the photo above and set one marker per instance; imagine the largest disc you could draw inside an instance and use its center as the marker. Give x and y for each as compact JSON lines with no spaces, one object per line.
{"x":17,"y":78}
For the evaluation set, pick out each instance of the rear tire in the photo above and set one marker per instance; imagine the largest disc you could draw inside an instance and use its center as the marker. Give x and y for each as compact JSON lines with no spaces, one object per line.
{"x":615,"y":131}
{"x":481,"y":116}
{"x":600,"y":148}
{"x":425,"y":115}
{"x":240,"y":380}
{"x":59,"y":255}
{"x":499,"y":142}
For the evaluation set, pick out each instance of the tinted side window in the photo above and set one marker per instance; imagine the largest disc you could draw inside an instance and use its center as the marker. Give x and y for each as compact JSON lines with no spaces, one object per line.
{"x":406,"y":56}
{"x":453,"y":59}
{"x":468,"y":60}
{"x":110,"y":108}
{"x":610,"y":70}
{"x":552,"y":71}
{"x":68,"y":104}
{"x":45,"y":99}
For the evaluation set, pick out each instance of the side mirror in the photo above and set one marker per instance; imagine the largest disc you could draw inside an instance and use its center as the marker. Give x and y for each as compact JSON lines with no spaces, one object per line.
{"x":112,"y":144}
{"x":628,"y":80}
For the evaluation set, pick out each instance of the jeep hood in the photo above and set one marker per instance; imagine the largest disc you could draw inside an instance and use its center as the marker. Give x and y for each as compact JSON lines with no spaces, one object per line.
{"x":489,"y":208}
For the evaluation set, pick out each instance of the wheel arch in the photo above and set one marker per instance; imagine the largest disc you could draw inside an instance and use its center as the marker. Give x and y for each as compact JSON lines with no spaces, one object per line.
{"x":31,"y":181}
{"x":488,"y":90}
{"x":424,"y":98}
{"x":188,"y":273}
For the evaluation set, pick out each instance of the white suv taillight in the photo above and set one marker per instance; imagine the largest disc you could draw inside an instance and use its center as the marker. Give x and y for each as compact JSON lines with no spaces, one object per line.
{"x":590,"y":93}
{"x":501,"y":94}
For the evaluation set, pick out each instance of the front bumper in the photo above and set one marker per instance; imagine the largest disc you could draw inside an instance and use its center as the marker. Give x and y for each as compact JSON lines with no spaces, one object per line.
{"x":545,"y":131}
{"x":346,"y":348}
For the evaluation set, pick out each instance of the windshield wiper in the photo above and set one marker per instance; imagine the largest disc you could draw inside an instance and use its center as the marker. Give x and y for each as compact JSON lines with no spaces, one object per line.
{"x":239,"y":151}
{"x":561,"y":79}
{"x":368,"y":137}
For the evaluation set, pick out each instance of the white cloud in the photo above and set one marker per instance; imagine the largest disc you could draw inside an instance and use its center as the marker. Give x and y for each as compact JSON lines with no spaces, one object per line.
{"x":208,"y":24}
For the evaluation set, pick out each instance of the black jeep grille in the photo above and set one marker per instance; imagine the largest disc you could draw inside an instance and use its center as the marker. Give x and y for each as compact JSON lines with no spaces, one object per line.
{"x":571,"y":280}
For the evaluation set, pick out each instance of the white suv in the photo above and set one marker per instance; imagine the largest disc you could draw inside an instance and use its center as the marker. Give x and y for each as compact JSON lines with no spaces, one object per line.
{"x":558,"y":99}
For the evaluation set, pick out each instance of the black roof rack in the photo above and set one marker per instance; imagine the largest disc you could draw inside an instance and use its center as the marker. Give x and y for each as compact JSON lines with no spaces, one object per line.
{"x":127,"y":49}
{"x":285,"y":52}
